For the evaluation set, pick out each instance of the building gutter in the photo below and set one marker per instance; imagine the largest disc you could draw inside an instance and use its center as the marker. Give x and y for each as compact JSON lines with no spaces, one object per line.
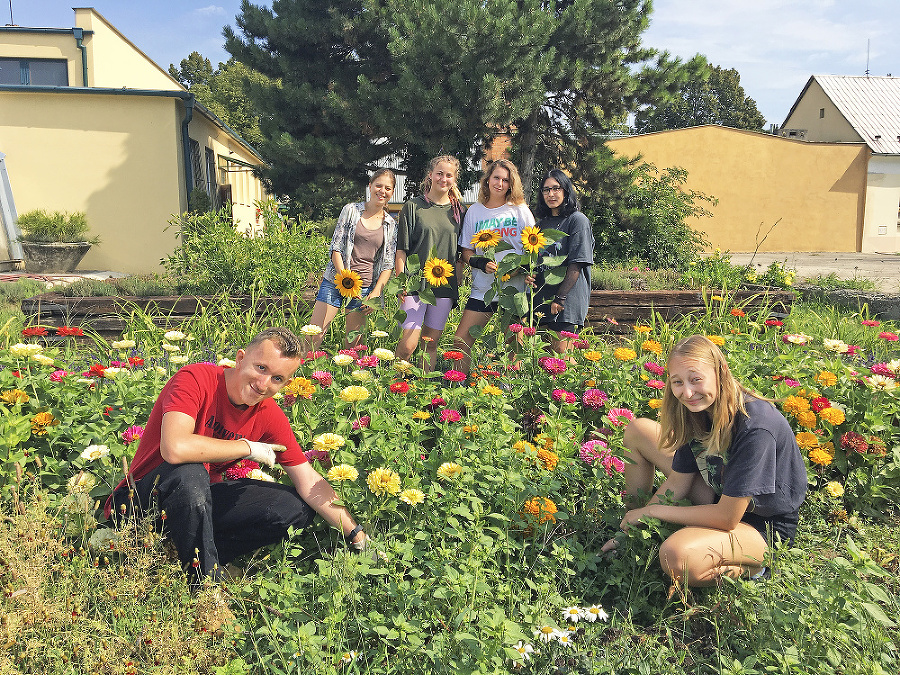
{"x":78,"y":33}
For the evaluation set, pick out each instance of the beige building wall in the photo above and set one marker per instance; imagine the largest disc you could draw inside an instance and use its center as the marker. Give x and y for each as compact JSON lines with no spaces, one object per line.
{"x":113,"y":61}
{"x":53,"y":46}
{"x":881,"y":233}
{"x":115,"y":157}
{"x":815,"y":192}
{"x":819,"y":119}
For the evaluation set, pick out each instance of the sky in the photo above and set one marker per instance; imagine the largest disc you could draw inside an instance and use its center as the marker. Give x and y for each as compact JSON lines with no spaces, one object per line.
{"x":775,"y":45}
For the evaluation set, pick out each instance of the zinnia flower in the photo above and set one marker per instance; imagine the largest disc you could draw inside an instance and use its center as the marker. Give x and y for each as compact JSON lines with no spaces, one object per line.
{"x":174,"y":335}
{"x":717,"y":340}
{"x":348,"y":283}
{"x":524,"y":446}
{"x":379,"y":334}
{"x":123,"y":344}
{"x":342,"y":472}
{"x":547,"y":458}
{"x":807,"y":419}
{"x":826,"y":379}
{"x":421,"y":415}
{"x":820,"y":456}
{"x":323,"y":377}
{"x":564,"y":396}
{"x":619,"y":417}
{"x":652,"y":346}
{"x":807,"y":440}
{"x":837,"y":346}
{"x":438,"y":272}
{"x":69,"y":331}
{"x":533,"y":240}
{"x":881,"y":382}
{"x":491,"y":390}
{"x":594,"y":398}
{"x":774,"y":323}
{"x":871,"y":323}
{"x":300,"y":387}
{"x":14,"y":397}
{"x":794,"y":405}
{"x":412,"y":496}
{"x":383,"y":354}
{"x":448,"y":415}
{"x":540,"y":509}
{"x":449,"y":470}
{"x":833,"y":416}
{"x":384,"y":481}
{"x":834,"y":489}
{"x":552,"y":365}
{"x":329,"y":442}
{"x":93,"y":452}
{"x":361,"y":375}
{"x":40,"y":423}
{"x":737,"y":312}
{"x":656,"y":384}
{"x":624,"y":354}
{"x":34,"y":331}
{"x":643,"y":329}
{"x":592,"y":355}
{"x":515,"y":328}
{"x":399,"y":387}
{"x":403,"y":366}
{"x":455,"y":376}
{"x":132,"y":434}
{"x":311,"y":329}
{"x":890,"y":337}
{"x":485,"y":239}
{"x":354,"y":394}
{"x":854,"y":441}
{"x":362,"y":423}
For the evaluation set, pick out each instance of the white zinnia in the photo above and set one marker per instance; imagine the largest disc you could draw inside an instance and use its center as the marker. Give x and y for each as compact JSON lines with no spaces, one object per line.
{"x":170,"y":348}
{"x":25,"y":350}
{"x":342,"y":359}
{"x":174,"y":335}
{"x":259,"y":474}
{"x":93,"y":452}
{"x":379,"y":334}
{"x":112,"y":372}
{"x":385,"y":354}
{"x":311,"y":329}
{"x":123,"y":344}
{"x":838,"y":346}
{"x":43,"y":359}
{"x":361,"y":375}
{"x":178,"y":359}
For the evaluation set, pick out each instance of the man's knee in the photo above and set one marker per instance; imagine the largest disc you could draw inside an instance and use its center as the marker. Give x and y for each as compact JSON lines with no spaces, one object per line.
{"x":187,"y":484}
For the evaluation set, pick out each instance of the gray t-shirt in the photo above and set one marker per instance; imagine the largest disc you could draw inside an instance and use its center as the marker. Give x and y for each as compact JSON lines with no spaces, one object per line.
{"x":578,"y":247}
{"x":763,"y":462}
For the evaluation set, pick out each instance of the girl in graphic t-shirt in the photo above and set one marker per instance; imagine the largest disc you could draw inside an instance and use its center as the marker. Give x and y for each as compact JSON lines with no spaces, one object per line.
{"x":729,"y":452}
{"x":364,"y":241}
{"x":501,"y":209}
{"x":429,"y":227}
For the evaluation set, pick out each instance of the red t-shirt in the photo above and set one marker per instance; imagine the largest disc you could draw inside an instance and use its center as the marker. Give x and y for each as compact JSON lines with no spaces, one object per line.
{"x":199,"y":390}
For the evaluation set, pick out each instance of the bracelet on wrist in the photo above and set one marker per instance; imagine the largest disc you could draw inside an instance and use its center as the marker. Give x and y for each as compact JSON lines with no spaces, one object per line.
{"x":350,"y":536}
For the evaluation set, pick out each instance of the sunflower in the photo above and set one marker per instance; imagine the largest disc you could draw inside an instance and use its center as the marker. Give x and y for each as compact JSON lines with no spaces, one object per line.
{"x":437,"y":272}
{"x":533,"y":239}
{"x":486,"y":239}
{"x":349,"y":283}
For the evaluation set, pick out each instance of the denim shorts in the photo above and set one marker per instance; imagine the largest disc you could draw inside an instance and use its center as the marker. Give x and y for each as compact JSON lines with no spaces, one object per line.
{"x":330,"y":295}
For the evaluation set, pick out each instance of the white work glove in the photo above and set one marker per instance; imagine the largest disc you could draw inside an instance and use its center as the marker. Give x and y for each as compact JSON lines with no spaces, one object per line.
{"x":263,"y":453}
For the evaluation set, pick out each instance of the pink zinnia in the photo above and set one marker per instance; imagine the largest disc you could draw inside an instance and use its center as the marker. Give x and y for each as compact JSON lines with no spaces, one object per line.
{"x":323,"y":377}
{"x":449,"y":415}
{"x":367,"y":361}
{"x":321,"y":455}
{"x":654,"y":368}
{"x":852,"y":349}
{"x":580,"y":344}
{"x":882,"y":369}
{"x":363,"y":423}
{"x":871,"y":323}
{"x":564,"y":396}
{"x":595,"y":398}
{"x":240,"y":469}
{"x":349,"y":352}
{"x":361,"y":348}
{"x":619,"y":417}
{"x":791,"y":383}
{"x":890,"y":337}
{"x":58,"y":375}
{"x":515,"y":328}
{"x":132,"y":434}
{"x":437,"y":402}
{"x":592,"y":451}
{"x":612,"y":464}
{"x":552,"y":365}
{"x":455,"y":376}
{"x":656,"y":384}
{"x":529,"y":330}
{"x":568,"y":334}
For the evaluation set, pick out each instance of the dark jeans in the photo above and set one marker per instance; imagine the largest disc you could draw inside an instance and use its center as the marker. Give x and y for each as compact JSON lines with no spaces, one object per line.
{"x":212,"y":524}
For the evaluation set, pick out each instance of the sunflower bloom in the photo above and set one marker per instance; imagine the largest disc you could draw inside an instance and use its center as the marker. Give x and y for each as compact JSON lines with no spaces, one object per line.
{"x":349,"y":283}
{"x":438,"y":272}
{"x":342,"y":472}
{"x":485,"y":239}
{"x":533,"y":240}
{"x":412,"y":496}
{"x":384,"y":481}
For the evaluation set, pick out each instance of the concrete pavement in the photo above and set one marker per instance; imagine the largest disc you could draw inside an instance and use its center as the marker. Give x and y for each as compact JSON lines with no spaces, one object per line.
{"x":881,"y":268}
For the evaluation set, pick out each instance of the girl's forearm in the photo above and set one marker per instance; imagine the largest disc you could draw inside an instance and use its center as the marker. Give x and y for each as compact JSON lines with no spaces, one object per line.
{"x":338,"y":261}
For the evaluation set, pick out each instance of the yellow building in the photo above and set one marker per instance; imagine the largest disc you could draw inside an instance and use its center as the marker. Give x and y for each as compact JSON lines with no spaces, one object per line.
{"x":815,"y":192}
{"x":858,"y":109}
{"x":88,"y":122}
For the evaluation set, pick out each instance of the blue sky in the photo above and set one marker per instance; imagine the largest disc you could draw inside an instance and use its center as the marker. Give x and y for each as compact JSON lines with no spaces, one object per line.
{"x":774,"y":44}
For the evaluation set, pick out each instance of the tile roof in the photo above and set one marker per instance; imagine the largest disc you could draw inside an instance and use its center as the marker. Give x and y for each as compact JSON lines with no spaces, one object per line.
{"x":871,"y":105}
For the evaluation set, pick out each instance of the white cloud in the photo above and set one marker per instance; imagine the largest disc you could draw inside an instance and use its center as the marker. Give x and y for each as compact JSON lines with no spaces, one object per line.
{"x":211,"y":10}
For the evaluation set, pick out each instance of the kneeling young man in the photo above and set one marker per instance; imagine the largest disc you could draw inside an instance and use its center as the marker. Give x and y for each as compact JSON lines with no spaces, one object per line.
{"x":207,"y":418}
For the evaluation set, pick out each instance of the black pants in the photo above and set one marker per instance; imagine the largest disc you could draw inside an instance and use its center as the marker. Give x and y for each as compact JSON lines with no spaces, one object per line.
{"x":212,"y":524}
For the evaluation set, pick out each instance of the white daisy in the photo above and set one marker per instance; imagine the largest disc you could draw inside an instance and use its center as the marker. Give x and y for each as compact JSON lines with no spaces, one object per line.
{"x":594,"y":612}
{"x":573,"y":614}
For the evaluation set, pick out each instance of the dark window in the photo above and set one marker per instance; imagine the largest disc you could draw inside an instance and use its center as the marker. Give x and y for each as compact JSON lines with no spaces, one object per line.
{"x":821,"y":113}
{"x":36,"y":72}
{"x":212,"y":187}
{"x":195,"y":164}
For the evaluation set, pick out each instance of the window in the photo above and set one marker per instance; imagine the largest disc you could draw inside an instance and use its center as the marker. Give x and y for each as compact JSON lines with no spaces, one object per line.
{"x":821,"y":113}
{"x":212,"y":188}
{"x":195,"y":164}
{"x":36,"y":72}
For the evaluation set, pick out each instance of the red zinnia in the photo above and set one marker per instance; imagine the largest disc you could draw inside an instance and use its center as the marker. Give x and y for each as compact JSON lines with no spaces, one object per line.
{"x":69,"y":331}
{"x":453,"y":355}
{"x":96,"y":370}
{"x":871,"y":323}
{"x":134,"y":361}
{"x":890,"y":337}
{"x":819,"y":404}
{"x":399,"y":387}
{"x":774,"y":323}
{"x":737,"y":312}
{"x":34,"y":331}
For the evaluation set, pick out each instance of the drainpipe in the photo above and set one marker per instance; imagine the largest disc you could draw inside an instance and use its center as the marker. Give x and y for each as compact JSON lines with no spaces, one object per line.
{"x":186,"y":145}
{"x":79,"y":40}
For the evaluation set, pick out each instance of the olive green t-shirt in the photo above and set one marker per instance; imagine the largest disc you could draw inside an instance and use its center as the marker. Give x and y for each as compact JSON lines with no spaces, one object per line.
{"x":424,"y":227}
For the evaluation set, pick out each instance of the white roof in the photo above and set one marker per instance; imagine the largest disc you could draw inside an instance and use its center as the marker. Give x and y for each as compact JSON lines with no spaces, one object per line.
{"x":871,"y":105}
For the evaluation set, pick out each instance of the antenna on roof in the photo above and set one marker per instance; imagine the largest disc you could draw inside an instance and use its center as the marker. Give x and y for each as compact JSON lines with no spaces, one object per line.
{"x":868,"y":45}
{"x":11,"y":21}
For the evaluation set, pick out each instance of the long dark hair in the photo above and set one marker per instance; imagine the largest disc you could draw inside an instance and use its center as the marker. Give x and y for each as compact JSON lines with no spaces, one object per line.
{"x":570,"y":202}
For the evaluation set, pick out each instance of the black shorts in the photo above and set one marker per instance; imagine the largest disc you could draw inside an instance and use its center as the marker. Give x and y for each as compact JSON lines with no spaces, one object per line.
{"x":476,"y":305}
{"x":557,"y":326}
{"x":782,"y":527}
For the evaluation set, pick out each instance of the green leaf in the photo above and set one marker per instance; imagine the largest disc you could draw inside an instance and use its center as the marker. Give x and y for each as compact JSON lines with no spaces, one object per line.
{"x":878,"y":614}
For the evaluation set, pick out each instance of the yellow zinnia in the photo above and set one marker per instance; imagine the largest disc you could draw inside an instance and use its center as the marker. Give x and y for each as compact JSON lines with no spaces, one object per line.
{"x":652,"y":346}
{"x":717,"y":340}
{"x":342,"y":472}
{"x":438,"y":271}
{"x":592,"y":355}
{"x":806,"y":419}
{"x":834,"y":489}
{"x":491,"y":390}
{"x":41,"y":421}
{"x":643,"y":329}
{"x":354,"y":394}
{"x":655,"y":403}
{"x":807,"y":440}
{"x":421,"y":415}
{"x":820,"y":456}
{"x":412,"y":496}
{"x":533,"y":239}
{"x":328,"y":442}
{"x":548,"y":459}
{"x":300,"y":387}
{"x":449,"y":470}
{"x":14,"y":397}
{"x":384,"y":481}
{"x":523,"y":446}
{"x":833,"y":416}
{"x":624,"y":354}
{"x":794,"y":405}
{"x":541,"y":509}
{"x":485,"y":239}
{"x":349,"y":283}
{"x":826,"y":379}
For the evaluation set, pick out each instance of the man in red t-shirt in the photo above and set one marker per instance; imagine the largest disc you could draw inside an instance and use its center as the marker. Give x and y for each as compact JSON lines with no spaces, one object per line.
{"x":205,"y":419}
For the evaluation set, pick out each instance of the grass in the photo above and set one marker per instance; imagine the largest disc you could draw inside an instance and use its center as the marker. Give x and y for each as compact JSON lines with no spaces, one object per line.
{"x":832,"y":282}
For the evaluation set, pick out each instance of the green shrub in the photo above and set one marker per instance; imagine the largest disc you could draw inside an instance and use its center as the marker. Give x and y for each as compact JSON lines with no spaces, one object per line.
{"x":57,"y":226}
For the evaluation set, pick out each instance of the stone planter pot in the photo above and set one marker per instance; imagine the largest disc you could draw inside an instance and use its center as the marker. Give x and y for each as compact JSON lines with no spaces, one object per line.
{"x":53,"y":257}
